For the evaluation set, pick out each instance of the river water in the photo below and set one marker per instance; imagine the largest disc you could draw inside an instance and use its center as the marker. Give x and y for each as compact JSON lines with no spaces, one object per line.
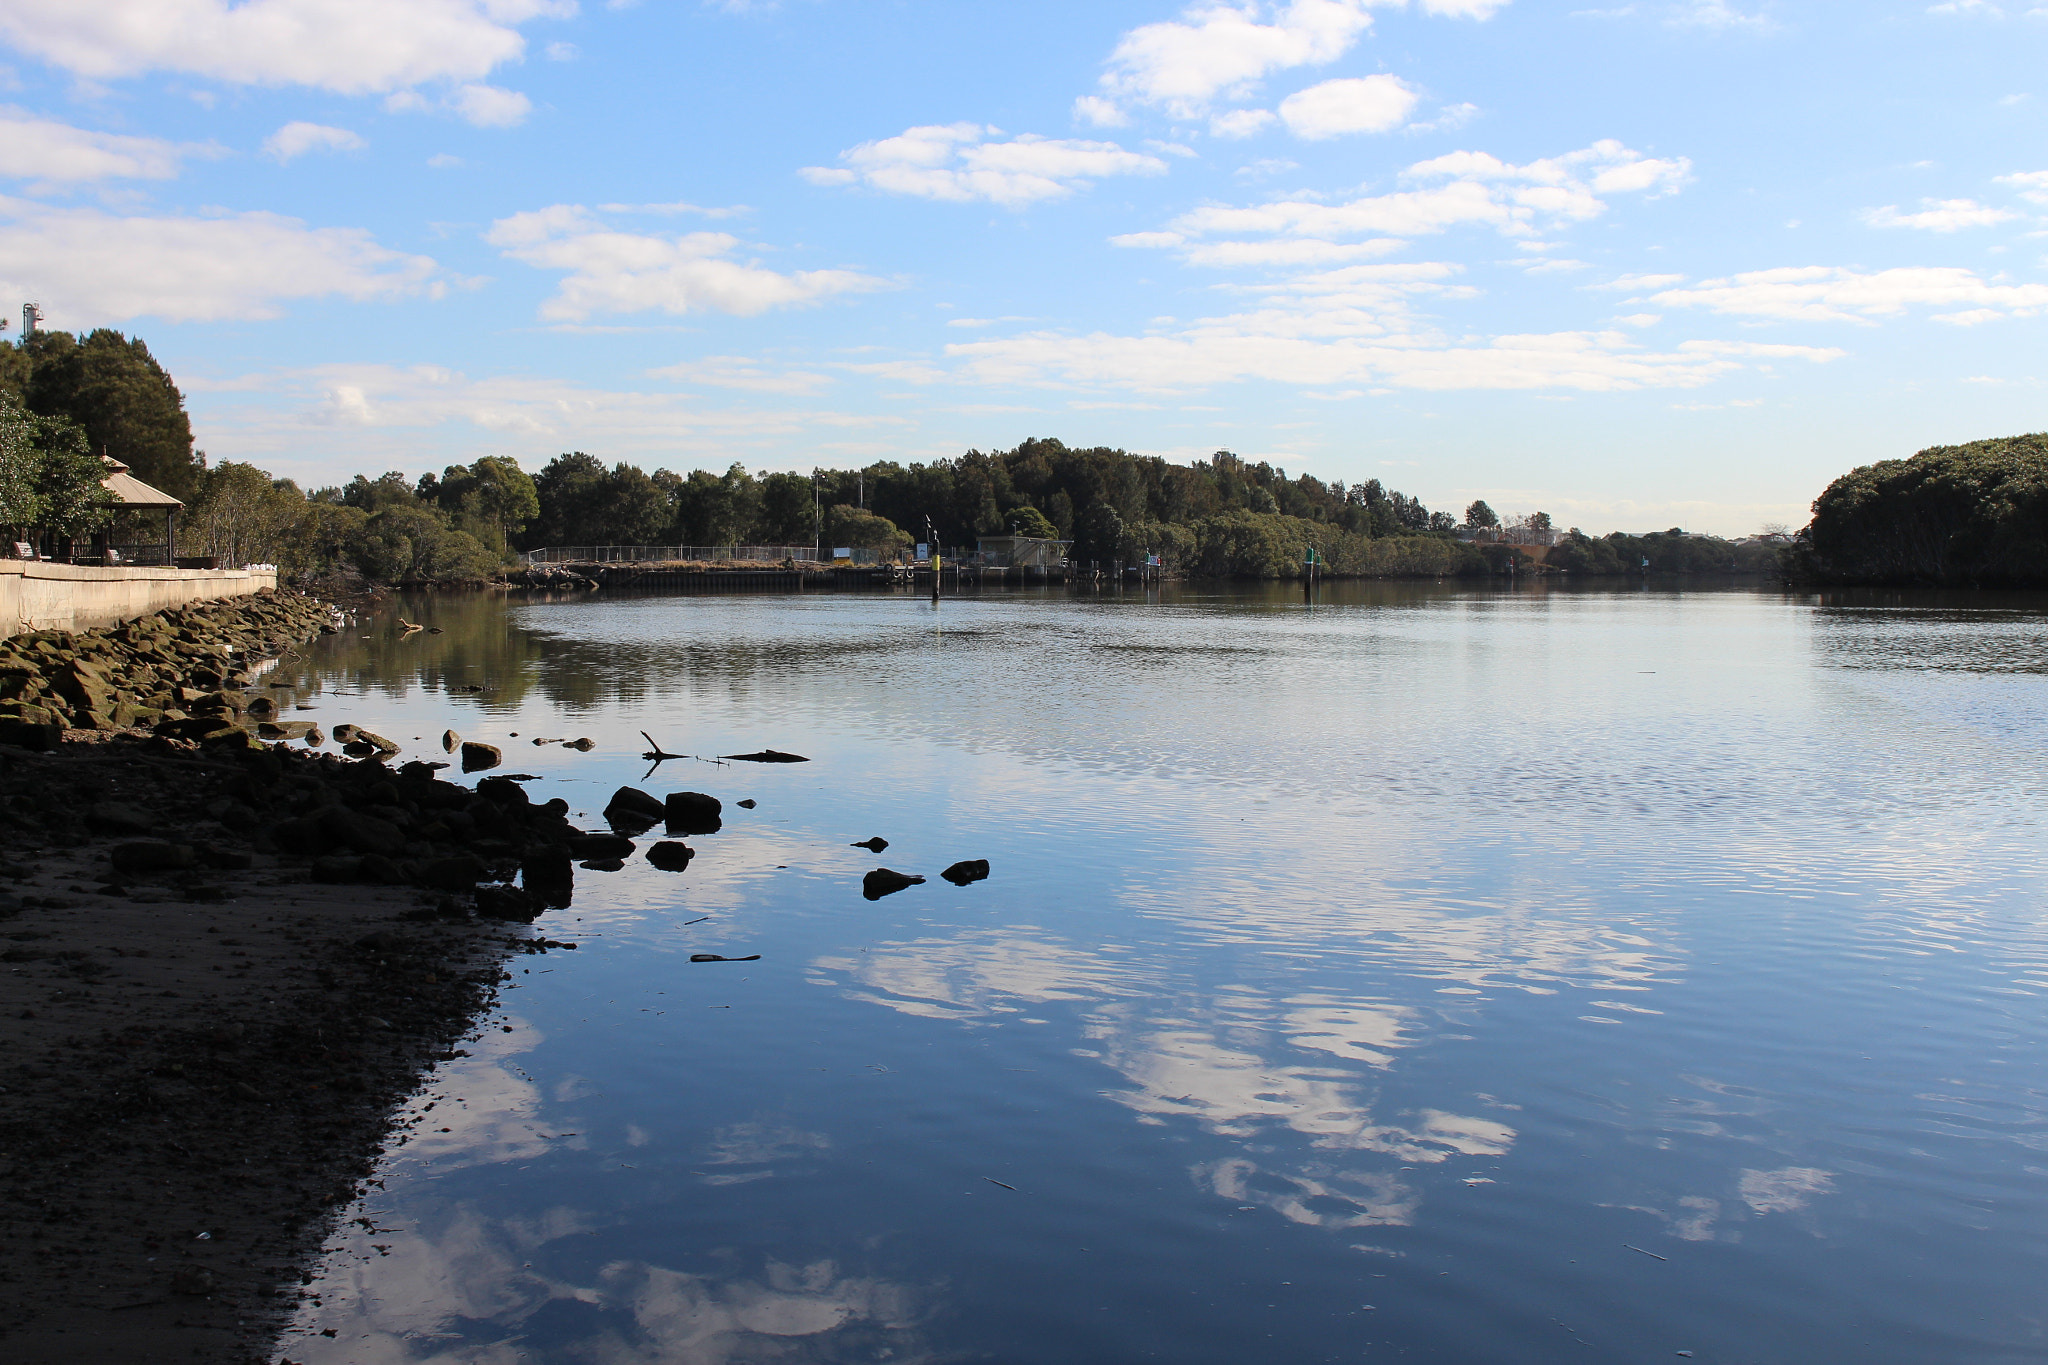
{"x":1448,"y":973}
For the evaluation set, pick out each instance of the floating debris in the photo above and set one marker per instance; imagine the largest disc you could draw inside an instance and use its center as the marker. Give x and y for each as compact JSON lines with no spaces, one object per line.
{"x":768,"y":756}
{"x":718,"y":957}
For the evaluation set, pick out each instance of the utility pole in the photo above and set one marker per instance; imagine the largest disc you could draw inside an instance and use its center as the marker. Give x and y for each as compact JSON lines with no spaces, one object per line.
{"x":817,"y":519}
{"x":932,"y":539}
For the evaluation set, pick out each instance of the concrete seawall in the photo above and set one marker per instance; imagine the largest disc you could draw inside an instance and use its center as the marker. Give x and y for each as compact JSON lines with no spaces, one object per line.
{"x":38,"y":596}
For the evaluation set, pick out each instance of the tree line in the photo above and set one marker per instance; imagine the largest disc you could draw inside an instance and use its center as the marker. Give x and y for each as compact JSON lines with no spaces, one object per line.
{"x":77,"y":398}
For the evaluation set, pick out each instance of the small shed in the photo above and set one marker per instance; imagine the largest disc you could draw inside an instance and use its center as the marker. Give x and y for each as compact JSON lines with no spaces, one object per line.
{"x":133,"y":495}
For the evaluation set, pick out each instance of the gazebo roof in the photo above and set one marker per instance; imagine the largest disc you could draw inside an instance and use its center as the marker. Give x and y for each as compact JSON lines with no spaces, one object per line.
{"x":130,"y":491}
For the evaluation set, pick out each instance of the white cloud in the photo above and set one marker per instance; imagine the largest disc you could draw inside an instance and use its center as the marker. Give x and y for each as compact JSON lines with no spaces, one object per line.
{"x":563,"y":52}
{"x":956,"y":162}
{"x":42,"y":149}
{"x":740,"y":372}
{"x":1835,"y":294}
{"x":1098,"y":112}
{"x":1238,"y":349}
{"x":89,"y":267}
{"x":1448,"y":119}
{"x":1222,"y":49}
{"x":619,"y":272}
{"x":1292,"y":252}
{"x":1719,"y":14}
{"x":1235,"y":123}
{"x":320,"y":424}
{"x":1474,"y":189}
{"x":1939,"y":215}
{"x":2031,"y":186}
{"x":297,"y":138}
{"x":1351,"y":327}
{"x":488,"y":106}
{"x":1366,"y":104}
{"x":1219,"y":49}
{"x":1638,"y":283}
{"x":350,"y":46}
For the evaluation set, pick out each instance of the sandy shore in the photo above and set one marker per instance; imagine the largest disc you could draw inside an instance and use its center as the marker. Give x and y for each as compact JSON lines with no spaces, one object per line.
{"x":200,"y":1060}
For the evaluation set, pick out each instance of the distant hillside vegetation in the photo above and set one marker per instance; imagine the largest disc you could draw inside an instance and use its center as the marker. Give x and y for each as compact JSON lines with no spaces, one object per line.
{"x":1951,"y":516}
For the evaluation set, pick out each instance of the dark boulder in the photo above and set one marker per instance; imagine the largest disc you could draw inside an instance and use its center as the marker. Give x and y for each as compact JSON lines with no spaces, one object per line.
{"x":874,"y":845}
{"x":670,"y":856}
{"x":476,"y":757}
{"x":885,"y":881}
{"x":503,"y":792}
{"x":306,"y":836}
{"x":632,"y":811}
{"x":460,"y":873}
{"x":693,"y":813}
{"x":971,"y":870}
{"x":767,"y":756}
{"x":508,"y":904}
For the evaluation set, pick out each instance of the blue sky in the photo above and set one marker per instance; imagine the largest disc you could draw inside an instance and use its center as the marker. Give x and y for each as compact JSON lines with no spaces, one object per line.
{"x":1635,"y":264}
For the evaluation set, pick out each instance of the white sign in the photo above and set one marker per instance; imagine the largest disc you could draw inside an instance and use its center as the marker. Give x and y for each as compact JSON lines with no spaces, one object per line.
{"x":924,"y":551}
{"x":842,"y":553}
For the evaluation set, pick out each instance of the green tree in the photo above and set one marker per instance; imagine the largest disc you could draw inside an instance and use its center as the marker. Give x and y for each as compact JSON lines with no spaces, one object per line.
{"x":389,"y":489}
{"x":21,"y":467}
{"x":492,"y":499}
{"x":76,"y":501}
{"x":122,"y":400}
{"x":1480,"y":517}
{"x":411,"y":544}
{"x":1029,"y":521}
{"x":1100,"y":532}
{"x":853,"y":528}
{"x":241,"y":515}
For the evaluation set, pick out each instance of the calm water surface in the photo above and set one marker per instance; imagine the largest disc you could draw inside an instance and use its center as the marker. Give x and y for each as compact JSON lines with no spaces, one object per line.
{"x":1438,"y":973}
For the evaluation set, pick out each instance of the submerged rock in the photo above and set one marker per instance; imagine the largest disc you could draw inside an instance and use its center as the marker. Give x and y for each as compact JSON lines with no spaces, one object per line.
{"x":886,"y":881}
{"x":874,"y":845}
{"x":767,"y":756}
{"x":719,"y":957}
{"x":971,"y":870}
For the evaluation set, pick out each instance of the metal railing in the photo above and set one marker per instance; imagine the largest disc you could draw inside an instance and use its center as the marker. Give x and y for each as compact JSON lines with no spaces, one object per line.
{"x":665,"y":554}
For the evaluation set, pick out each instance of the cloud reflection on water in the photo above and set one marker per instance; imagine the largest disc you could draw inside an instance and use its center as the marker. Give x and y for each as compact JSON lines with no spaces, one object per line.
{"x":467,"y":1290}
{"x":1242,"y":1063}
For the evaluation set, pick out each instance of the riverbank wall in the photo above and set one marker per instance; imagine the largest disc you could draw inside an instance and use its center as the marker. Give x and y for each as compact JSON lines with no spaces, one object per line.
{"x":39,"y":596}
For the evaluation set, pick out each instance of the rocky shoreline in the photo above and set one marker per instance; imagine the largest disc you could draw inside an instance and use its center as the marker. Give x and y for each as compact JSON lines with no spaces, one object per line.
{"x":224,"y":961}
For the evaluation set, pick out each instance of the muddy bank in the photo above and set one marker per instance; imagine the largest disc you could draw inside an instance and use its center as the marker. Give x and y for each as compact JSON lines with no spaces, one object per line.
{"x":222,"y":964}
